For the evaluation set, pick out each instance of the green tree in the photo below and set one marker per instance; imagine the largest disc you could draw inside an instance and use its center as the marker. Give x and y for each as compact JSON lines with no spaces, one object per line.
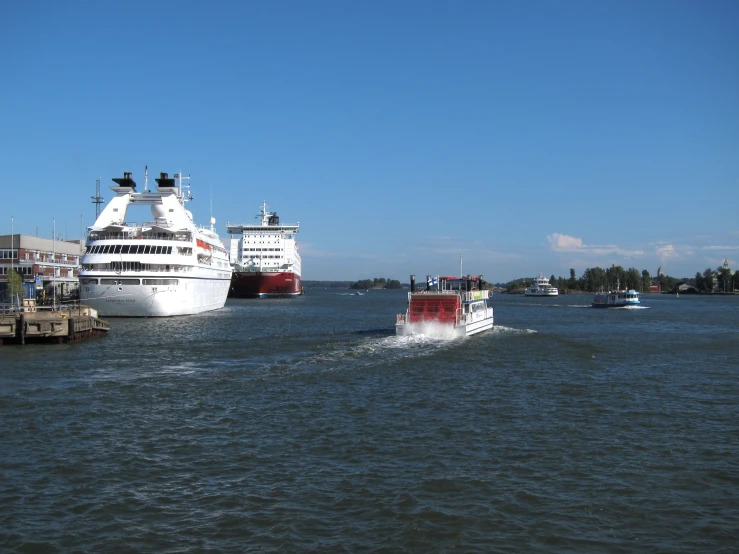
{"x":646,"y":281}
{"x":363,"y":284}
{"x":698,"y":281}
{"x":708,"y":279}
{"x":594,"y":279}
{"x":616,"y":276}
{"x":15,"y":290}
{"x":633,"y":279}
{"x":572,"y":283}
{"x":723,"y":275}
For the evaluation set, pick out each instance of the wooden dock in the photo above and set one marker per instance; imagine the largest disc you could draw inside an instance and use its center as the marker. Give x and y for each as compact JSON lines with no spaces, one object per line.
{"x":33,"y":324}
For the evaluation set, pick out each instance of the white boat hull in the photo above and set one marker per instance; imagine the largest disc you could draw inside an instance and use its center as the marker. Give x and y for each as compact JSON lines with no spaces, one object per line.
{"x":616,"y":299}
{"x":190,"y":296}
{"x":406,"y":329}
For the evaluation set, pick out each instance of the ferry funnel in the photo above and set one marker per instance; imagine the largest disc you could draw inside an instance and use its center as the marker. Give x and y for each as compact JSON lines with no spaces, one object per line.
{"x":126,"y":181}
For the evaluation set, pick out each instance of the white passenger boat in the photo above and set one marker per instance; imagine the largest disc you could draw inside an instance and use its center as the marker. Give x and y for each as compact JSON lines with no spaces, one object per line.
{"x":616,"y":298}
{"x":165,"y":267}
{"x":541,"y":287}
{"x":458,"y":304}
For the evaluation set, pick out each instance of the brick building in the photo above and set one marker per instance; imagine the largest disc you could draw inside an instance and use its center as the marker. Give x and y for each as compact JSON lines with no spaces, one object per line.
{"x":46,"y":262}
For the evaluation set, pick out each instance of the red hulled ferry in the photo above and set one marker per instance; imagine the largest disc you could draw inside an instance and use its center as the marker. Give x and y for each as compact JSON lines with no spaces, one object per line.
{"x":265,"y":258}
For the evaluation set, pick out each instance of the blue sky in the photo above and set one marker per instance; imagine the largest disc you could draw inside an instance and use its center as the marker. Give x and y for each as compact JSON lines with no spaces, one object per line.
{"x":526,"y":136}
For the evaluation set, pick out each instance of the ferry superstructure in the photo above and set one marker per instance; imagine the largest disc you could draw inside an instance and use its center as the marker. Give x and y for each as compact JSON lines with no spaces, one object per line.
{"x":265,"y":258}
{"x":541,"y":287}
{"x":459,"y":304}
{"x":161,"y":268}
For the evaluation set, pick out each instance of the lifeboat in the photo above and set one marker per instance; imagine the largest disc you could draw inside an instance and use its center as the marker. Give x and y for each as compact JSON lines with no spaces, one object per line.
{"x":204,"y":251}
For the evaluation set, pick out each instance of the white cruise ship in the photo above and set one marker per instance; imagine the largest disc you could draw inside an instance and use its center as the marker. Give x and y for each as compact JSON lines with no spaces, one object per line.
{"x":164,"y":267}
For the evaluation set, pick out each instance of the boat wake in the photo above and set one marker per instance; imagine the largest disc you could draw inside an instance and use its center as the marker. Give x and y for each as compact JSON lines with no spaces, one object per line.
{"x":432,"y":329}
{"x":511,"y":330}
{"x":370,"y":351}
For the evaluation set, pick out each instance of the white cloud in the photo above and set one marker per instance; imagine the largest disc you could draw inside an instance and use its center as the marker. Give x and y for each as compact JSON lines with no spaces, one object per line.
{"x":565,"y":243}
{"x":666,"y":251}
{"x":720,"y":248}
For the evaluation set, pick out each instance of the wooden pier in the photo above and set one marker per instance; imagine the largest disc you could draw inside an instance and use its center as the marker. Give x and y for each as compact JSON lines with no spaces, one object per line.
{"x":34,"y":324}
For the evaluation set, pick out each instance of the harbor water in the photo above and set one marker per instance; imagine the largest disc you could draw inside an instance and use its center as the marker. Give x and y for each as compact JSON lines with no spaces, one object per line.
{"x":305,"y":425}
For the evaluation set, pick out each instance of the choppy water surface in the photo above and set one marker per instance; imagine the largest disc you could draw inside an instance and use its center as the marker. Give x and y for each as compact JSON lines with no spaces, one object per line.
{"x":306,"y":425}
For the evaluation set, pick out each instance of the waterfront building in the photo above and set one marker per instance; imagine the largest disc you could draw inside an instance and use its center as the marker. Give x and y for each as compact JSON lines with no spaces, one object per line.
{"x":43,"y":263}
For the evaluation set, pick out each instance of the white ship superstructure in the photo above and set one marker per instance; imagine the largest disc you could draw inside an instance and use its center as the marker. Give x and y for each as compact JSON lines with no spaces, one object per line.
{"x":541,"y":287}
{"x":164,"y":267}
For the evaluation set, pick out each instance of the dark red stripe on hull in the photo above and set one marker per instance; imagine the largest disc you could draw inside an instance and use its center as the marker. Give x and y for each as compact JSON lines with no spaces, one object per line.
{"x":264,"y":285}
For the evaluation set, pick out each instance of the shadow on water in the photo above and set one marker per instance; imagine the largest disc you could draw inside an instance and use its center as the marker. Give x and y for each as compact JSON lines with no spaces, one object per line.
{"x":375,"y":332}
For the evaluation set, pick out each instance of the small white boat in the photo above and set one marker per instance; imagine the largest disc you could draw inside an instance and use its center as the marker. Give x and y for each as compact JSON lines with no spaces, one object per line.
{"x":541,"y":287}
{"x":457,"y":303}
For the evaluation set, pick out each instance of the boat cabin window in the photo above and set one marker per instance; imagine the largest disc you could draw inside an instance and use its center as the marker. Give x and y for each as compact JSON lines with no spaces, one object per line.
{"x":160,"y":281}
{"x":119,"y":281}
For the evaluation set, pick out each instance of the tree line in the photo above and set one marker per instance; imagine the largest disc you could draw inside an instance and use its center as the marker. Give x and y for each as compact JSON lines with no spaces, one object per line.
{"x":595,"y":279}
{"x":377,"y":282}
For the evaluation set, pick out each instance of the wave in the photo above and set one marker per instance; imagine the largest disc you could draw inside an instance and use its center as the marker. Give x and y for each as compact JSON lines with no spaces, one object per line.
{"x":512,"y":330}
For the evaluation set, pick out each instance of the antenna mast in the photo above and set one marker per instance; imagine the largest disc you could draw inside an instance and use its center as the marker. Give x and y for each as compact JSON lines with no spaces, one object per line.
{"x":97,"y":199}
{"x":183,"y":190}
{"x":212,"y":219}
{"x":53,"y":261}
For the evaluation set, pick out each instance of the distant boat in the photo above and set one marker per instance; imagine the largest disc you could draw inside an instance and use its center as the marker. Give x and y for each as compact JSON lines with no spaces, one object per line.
{"x":616,"y":298}
{"x":541,"y":287}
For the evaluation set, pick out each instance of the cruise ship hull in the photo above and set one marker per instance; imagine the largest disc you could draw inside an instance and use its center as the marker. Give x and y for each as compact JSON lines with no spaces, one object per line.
{"x":263,"y":284}
{"x":188,"y":297}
